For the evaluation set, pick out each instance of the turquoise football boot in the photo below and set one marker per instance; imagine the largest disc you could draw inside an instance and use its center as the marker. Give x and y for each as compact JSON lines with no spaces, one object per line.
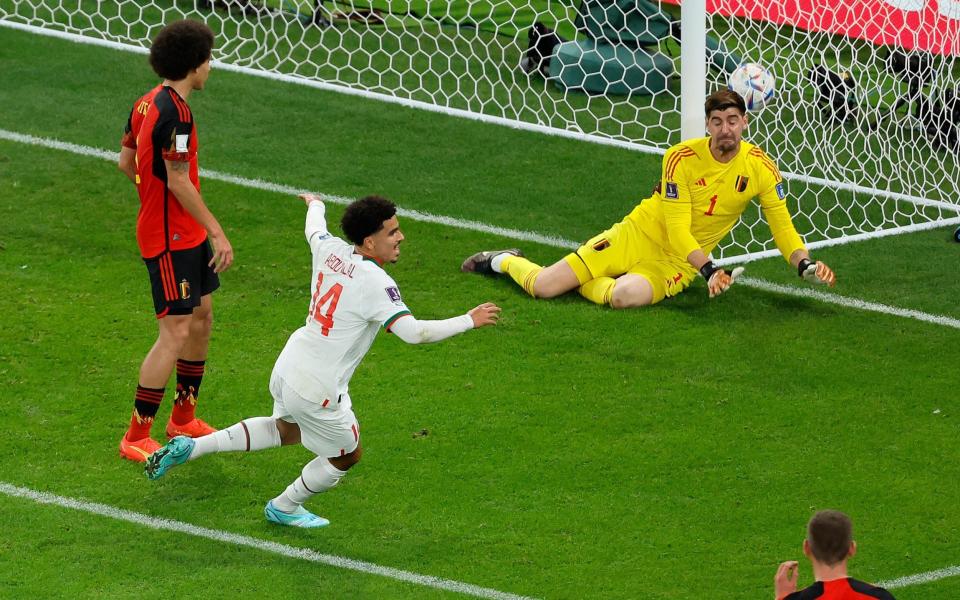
{"x":176,"y":452}
{"x":299,"y":518}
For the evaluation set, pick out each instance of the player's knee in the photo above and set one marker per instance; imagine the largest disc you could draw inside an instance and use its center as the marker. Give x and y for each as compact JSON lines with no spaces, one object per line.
{"x":354,"y":457}
{"x":631,"y":293}
{"x":347,"y":460}
{"x":202,"y":322}
{"x":174,"y":332}
{"x":289,"y":432}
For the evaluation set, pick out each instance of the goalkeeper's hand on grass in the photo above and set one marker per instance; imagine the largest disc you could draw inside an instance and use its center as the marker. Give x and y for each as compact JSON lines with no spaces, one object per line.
{"x":719,"y":280}
{"x":817,"y":273}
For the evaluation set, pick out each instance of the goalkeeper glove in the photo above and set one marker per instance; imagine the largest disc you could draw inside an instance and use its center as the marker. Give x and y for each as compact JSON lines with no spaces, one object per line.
{"x":816,"y":272}
{"x":718,"y":280}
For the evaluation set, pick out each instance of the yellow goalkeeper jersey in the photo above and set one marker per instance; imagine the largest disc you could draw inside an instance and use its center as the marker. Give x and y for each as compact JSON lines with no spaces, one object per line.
{"x":699,"y":200}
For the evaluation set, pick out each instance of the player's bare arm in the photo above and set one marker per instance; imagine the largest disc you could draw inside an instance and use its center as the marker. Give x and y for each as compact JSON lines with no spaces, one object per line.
{"x":128,"y":163}
{"x":178,"y":180}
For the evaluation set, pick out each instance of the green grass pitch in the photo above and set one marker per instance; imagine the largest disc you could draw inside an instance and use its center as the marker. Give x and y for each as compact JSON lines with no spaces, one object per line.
{"x":573,"y":451}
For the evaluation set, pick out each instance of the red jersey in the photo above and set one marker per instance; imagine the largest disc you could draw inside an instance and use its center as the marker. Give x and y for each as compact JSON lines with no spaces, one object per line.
{"x":161,"y":128}
{"x":841,"y":589}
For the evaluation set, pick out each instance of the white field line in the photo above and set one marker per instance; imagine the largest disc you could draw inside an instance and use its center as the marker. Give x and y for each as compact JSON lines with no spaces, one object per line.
{"x":919,"y":578}
{"x":306,"y":554}
{"x":515,"y":234}
{"x":465,"y":114}
{"x":226,"y":537}
{"x":847,"y":302}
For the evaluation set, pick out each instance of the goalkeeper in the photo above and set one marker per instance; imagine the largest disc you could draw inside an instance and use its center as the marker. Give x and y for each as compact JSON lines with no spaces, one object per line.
{"x":657,"y":249}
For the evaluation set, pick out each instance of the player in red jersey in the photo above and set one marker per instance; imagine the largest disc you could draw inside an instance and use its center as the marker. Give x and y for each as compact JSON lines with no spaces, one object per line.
{"x":175,"y":230}
{"x":829,"y":545}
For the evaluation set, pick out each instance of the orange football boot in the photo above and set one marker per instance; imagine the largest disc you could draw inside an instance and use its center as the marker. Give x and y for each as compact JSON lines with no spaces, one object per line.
{"x":193,"y":429}
{"x":139,"y":450}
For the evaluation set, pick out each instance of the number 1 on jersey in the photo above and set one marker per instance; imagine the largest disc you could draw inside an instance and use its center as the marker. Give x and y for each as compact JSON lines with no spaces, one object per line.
{"x":713,"y":203}
{"x":333,"y":297}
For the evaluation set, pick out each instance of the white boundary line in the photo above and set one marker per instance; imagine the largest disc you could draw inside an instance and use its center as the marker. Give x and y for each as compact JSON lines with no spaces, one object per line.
{"x":919,"y":578}
{"x":339,"y":562}
{"x":844,"y":301}
{"x":472,"y":116}
{"x":226,"y":537}
{"x":515,"y":234}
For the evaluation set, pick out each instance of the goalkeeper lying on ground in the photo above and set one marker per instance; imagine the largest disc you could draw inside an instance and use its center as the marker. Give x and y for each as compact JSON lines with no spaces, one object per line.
{"x":657,"y":250}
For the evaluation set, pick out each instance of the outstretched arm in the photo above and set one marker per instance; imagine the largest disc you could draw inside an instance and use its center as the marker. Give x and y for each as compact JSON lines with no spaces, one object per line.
{"x":414,"y":331}
{"x":789,"y":242}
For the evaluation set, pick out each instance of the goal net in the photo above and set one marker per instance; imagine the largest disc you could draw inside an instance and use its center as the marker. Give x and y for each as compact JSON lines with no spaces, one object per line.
{"x":864,"y":125}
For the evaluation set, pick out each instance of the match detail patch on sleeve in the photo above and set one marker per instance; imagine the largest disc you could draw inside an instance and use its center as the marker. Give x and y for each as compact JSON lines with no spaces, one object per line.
{"x":780,"y":191}
{"x":672,"y":190}
{"x":183,"y":142}
{"x":394,"y":294}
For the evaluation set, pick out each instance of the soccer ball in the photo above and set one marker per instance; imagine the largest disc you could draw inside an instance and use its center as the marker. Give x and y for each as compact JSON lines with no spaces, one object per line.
{"x":754,"y":83}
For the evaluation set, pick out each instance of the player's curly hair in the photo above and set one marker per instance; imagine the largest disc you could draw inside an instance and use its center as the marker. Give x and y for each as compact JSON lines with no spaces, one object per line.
{"x":179,"y":48}
{"x":365,"y":216}
{"x":722,"y":100}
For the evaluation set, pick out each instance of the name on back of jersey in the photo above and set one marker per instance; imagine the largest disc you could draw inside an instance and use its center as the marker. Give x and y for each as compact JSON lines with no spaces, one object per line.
{"x":338,"y":265}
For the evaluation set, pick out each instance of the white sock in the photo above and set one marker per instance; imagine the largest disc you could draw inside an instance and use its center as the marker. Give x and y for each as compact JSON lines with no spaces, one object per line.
{"x":317,"y":476}
{"x":497,"y":260}
{"x":247,"y":435}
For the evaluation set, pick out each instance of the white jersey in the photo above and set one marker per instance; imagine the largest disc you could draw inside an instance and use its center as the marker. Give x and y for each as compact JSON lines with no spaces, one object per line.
{"x":351,"y":298}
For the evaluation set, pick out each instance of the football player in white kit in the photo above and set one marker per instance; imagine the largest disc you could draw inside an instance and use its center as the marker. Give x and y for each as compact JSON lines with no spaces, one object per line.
{"x":352,"y":298}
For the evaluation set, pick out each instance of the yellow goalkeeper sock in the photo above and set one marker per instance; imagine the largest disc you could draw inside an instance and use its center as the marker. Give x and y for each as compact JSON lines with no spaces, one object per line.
{"x":522,"y":271}
{"x":599,"y":290}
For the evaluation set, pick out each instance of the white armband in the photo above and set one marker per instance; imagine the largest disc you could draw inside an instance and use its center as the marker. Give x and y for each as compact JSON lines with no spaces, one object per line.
{"x":412,"y":331}
{"x":316,"y":220}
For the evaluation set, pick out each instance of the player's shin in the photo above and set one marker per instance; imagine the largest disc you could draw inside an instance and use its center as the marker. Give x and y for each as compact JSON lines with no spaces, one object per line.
{"x":522,"y":271}
{"x":246,"y":436}
{"x":317,"y":476}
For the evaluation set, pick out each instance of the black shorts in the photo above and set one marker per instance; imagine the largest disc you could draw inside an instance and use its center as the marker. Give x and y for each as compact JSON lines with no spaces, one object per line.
{"x":179,"y":278}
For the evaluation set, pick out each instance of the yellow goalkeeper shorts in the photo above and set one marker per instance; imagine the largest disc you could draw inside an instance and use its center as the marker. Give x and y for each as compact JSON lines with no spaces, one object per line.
{"x":624,"y":248}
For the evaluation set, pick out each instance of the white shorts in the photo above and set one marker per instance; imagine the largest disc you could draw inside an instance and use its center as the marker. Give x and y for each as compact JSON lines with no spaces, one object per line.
{"x":324,"y":430}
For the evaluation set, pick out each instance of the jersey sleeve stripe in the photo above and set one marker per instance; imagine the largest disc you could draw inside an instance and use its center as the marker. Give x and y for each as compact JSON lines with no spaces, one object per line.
{"x":182,"y":108}
{"x":773,"y":169}
{"x":682,"y":154}
{"x":173,"y":101}
{"x":675,"y":161}
{"x":668,"y":172}
{"x":767,"y":162}
{"x":184,"y":112}
{"x":389,"y":322}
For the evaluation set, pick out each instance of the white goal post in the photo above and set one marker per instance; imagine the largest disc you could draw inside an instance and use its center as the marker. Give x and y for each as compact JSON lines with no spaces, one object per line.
{"x":865,"y":124}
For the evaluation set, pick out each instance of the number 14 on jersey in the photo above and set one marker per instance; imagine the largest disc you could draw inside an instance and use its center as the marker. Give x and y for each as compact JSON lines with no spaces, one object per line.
{"x":329,"y":300}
